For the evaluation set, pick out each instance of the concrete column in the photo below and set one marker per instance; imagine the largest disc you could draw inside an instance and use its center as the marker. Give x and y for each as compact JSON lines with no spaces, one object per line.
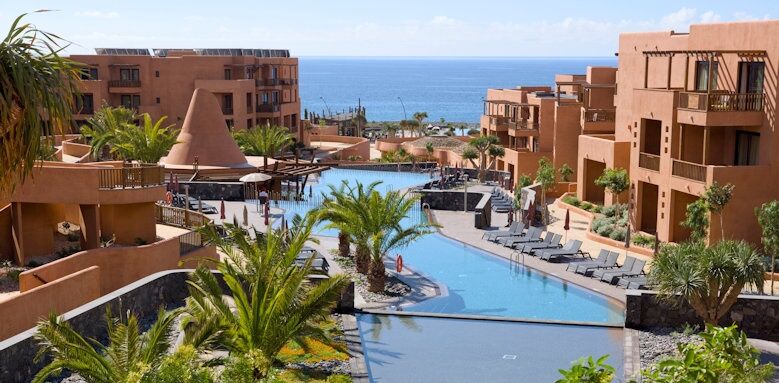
{"x":16,"y":232}
{"x":706,"y":133}
{"x":90,"y":226}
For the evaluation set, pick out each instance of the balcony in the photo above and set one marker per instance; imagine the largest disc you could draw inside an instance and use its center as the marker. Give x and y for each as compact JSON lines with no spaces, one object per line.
{"x":227,"y":110}
{"x":124,"y":84}
{"x":267,"y":82}
{"x":523,"y":128}
{"x":597,"y":121}
{"x":288,"y":81}
{"x":268,"y":108}
{"x":721,"y":108}
{"x":131,"y":177}
{"x":689,"y":170}
{"x":649,"y":161}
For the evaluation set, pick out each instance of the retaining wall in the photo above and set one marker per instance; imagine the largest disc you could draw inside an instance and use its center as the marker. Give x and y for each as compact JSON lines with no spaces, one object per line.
{"x":230,"y":191}
{"x":454,"y":200}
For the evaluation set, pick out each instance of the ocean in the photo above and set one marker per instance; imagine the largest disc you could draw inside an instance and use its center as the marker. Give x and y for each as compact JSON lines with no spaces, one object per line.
{"x":452,"y":88}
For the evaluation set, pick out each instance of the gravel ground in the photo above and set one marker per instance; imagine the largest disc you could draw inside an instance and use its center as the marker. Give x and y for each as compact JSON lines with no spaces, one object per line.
{"x":394,"y":287}
{"x":657,"y":343}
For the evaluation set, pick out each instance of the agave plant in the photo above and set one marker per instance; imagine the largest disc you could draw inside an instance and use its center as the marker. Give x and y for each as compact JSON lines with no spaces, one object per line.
{"x":271,"y":300}
{"x":128,"y":357}
{"x":34,"y":79}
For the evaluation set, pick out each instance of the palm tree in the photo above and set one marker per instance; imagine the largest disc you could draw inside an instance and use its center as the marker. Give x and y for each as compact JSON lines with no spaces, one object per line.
{"x":128,"y":357}
{"x":103,"y":126}
{"x":271,"y":300}
{"x":708,"y":278}
{"x":34,"y":79}
{"x":383,"y":215}
{"x":420,"y":116}
{"x":146,"y":143}
{"x":267,"y":141}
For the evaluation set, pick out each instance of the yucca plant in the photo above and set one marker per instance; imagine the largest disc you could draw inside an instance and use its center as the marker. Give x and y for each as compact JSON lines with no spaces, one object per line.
{"x":129,"y":355}
{"x":146,"y":143}
{"x":271,"y":299}
{"x":37,"y":86}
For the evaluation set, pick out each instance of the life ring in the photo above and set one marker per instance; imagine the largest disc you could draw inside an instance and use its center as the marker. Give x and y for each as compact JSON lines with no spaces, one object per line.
{"x":399,"y":263}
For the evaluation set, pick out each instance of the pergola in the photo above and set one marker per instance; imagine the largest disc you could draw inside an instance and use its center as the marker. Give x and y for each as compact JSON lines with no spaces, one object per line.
{"x":709,"y":55}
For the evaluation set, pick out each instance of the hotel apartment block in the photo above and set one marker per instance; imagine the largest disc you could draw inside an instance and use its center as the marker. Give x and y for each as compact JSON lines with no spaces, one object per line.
{"x":253,"y":86}
{"x":692,"y":109}
{"x":536,"y":122}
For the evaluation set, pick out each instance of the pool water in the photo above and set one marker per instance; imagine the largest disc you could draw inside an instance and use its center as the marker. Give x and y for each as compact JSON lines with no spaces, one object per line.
{"x":421,"y":349}
{"x":474,"y":282}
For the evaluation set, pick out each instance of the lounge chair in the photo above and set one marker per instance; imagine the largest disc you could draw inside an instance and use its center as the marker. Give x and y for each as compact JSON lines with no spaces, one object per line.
{"x":533,"y":235}
{"x":537,"y":247}
{"x":602,"y":256}
{"x":626,"y":266}
{"x":515,"y":229}
{"x":587,"y":268}
{"x":518,"y":244}
{"x":571,"y":248}
{"x":635,"y":282}
{"x":637,"y":269}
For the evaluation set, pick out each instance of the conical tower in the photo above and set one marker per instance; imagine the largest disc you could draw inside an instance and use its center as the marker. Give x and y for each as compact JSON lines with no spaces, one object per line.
{"x":205,"y":135}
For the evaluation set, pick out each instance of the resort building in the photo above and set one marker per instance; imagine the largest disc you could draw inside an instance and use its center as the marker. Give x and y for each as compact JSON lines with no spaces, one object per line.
{"x":536,"y":122}
{"x":253,"y":86}
{"x":692,"y":109}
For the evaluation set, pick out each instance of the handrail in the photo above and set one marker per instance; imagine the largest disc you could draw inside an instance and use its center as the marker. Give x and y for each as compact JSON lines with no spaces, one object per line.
{"x":131,"y":177}
{"x":174,"y":216}
{"x":722,"y":101}
{"x":689,"y":170}
{"x":649,"y":161}
{"x":599,"y":115}
{"x":189,"y":242}
{"x":124,"y":83}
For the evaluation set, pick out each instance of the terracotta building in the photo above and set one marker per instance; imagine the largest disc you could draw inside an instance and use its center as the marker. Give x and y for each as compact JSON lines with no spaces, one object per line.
{"x":253,"y":86}
{"x":692,"y":109}
{"x":536,"y":122}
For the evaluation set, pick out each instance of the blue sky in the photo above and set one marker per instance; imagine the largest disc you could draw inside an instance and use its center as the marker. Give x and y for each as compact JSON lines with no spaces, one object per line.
{"x":377,"y":28}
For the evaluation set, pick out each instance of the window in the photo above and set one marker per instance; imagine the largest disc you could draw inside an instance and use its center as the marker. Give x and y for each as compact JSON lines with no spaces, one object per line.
{"x":265,"y":99}
{"x":702,"y":75}
{"x":130,"y":101}
{"x":227,"y":104}
{"x":249,"y":73}
{"x":156,"y":73}
{"x":228,"y":74}
{"x":158,"y":100}
{"x":274,"y":73}
{"x":129,"y":75}
{"x":230,"y":123}
{"x":747,"y":145}
{"x":750,"y":77}
{"x":249,"y":102}
{"x":89,"y":74}
{"x":85,"y":103}
{"x":248,"y":123}
{"x":275,"y":97}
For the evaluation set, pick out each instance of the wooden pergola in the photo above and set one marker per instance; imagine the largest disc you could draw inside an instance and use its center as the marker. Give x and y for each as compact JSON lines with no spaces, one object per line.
{"x":710,"y":56}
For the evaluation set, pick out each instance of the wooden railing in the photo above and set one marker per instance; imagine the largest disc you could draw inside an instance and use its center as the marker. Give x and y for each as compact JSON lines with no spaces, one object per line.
{"x":527,"y":124}
{"x":599,"y":115}
{"x":131,"y":177}
{"x":268,"y":108}
{"x":124,"y":84}
{"x":689,"y":170}
{"x":722,"y":101}
{"x":174,"y":216}
{"x":189,"y":242}
{"x":649,"y":161}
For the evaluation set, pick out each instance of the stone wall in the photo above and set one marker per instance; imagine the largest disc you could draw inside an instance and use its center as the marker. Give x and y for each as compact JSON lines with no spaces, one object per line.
{"x":453,"y":200}
{"x":757,"y":315}
{"x":230,"y":191}
{"x":404,"y":166}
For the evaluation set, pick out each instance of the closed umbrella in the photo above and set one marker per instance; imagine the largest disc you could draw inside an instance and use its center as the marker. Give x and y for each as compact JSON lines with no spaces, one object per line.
{"x":567,"y":225}
{"x":245,"y":216}
{"x":222,"y":210}
{"x":531,"y":213}
{"x":627,"y":236}
{"x":267,"y":214}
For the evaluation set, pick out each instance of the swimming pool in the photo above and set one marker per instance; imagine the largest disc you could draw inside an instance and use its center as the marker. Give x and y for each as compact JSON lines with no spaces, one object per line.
{"x":473,"y":281}
{"x":419,"y":349}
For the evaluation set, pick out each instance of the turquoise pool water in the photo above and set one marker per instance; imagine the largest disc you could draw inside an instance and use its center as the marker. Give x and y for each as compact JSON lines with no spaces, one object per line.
{"x":419,"y":349}
{"x":475,"y":282}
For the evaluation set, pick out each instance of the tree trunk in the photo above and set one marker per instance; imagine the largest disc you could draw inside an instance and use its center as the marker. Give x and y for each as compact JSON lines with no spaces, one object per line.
{"x":376,"y":276}
{"x":773,"y":269}
{"x":722,"y":226}
{"x":362,"y":259}
{"x":343,"y":244}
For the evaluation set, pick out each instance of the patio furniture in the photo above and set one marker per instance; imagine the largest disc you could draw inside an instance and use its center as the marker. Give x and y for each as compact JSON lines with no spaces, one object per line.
{"x":572,"y":248}
{"x":534,"y":247}
{"x":600,"y":259}
{"x":637,"y":269}
{"x":533,"y":234}
{"x":587,"y":268}
{"x":635,"y":282}
{"x":626,"y":266}
{"x":515,"y":229}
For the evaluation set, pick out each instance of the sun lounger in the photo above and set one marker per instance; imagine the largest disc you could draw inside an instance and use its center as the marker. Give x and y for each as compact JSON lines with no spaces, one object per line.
{"x":537,"y":247}
{"x":515,"y":229}
{"x":533,"y":235}
{"x":637,"y":269}
{"x":587,"y":268}
{"x":602,"y":255}
{"x":571,"y":248}
{"x":634,"y":282}
{"x":626,"y":266}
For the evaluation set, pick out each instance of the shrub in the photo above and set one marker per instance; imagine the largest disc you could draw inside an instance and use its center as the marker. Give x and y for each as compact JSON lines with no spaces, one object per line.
{"x":586,"y":206}
{"x":643,"y":240}
{"x":338,"y":378}
{"x":618,"y":233}
{"x":572,"y":200}
{"x":599,"y":222}
{"x":594,"y":371}
{"x":33,"y":263}
{"x":181,"y":367}
{"x":605,"y":230}
{"x":13,"y":274}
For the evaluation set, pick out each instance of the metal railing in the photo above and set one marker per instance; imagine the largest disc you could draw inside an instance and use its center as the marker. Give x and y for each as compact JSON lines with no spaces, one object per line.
{"x":267,"y":82}
{"x":131,"y":177}
{"x":124,"y":83}
{"x":649,"y":161}
{"x":268,"y":108}
{"x":722,"y":101}
{"x":189,"y":242}
{"x":689,"y":170}
{"x":599,"y":115}
{"x":174,"y":216}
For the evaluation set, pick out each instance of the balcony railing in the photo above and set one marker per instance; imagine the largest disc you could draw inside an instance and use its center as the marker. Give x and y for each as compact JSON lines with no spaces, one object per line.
{"x":527,"y":124}
{"x":689,"y":170}
{"x":599,"y":115}
{"x":649,"y":161}
{"x":190,"y":242}
{"x":268,"y":108}
{"x":131,"y":177}
{"x":227,"y":110}
{"x":288,"y":81}
{"x":267,"y":81}
{"x":722,"y":102}
{"x":174,"y":216}
{"x":124,"y":84}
